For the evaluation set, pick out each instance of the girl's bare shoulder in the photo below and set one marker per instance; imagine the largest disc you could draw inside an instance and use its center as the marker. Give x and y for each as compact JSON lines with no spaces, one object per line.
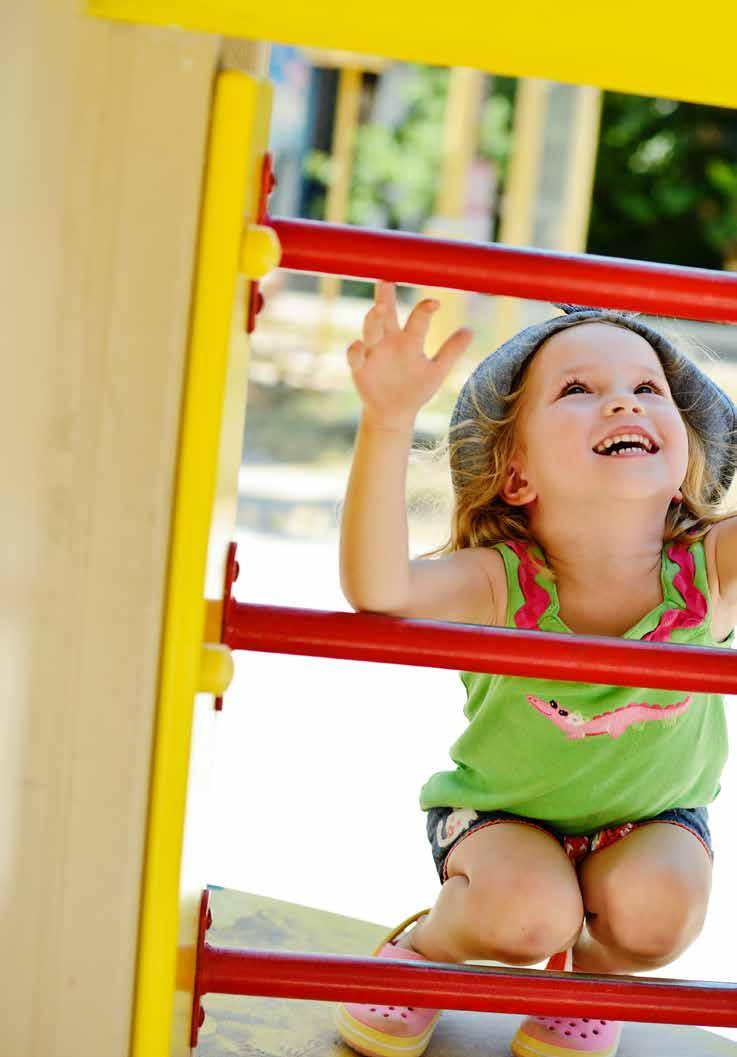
{"x":467,"y":586}
{"x":498,"y":576}
{"x":490,"y":562}
{"x":720,"y":553}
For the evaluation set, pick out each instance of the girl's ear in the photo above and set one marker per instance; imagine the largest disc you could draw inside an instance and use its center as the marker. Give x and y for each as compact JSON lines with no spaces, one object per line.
{"x":517,"y":490}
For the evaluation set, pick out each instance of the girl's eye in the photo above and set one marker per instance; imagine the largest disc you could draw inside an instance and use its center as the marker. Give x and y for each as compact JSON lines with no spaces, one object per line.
{"x":570,"y":386}
{"x":574,"y":386}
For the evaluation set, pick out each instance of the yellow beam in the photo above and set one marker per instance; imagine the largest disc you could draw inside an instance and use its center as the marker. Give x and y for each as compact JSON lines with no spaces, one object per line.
{"x":669,"y":48}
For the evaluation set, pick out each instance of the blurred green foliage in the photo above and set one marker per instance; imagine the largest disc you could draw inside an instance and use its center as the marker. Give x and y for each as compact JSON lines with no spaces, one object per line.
{"x":666,"y":175}
{"x":666,"y":182}
{"x":396,"y":168}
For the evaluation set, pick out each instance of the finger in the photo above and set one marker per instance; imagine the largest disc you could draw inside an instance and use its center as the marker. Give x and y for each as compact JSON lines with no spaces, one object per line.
{"x":418,"y":322}
{"x":386,"y":296}
{"x":356,"y":355}
{"x":374,"y":325}
{"x":451,"y":350}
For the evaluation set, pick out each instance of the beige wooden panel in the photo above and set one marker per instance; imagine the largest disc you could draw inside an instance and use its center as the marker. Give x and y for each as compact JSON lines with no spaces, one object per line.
{"x":104,"y":128}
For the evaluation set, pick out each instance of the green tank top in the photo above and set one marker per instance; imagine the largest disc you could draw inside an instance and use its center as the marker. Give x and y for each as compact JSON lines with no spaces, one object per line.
{"x":580,"y":756}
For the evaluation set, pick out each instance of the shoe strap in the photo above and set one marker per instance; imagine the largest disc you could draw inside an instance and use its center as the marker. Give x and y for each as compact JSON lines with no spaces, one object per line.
{"x":402,"y":927}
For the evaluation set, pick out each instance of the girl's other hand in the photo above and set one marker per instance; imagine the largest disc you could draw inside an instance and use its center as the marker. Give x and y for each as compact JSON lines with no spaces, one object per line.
{"x":390,"y":370}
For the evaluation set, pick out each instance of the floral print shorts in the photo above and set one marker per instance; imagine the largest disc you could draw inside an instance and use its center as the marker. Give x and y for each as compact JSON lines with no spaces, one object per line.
{"x":448,"y":826}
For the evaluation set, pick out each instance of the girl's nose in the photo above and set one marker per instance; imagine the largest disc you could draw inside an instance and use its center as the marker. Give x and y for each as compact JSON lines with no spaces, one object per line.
{"x":623,"y":404}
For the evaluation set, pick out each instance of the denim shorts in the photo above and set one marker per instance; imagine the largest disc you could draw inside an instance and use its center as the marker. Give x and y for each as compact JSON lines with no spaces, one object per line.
{"x":447,"y":827}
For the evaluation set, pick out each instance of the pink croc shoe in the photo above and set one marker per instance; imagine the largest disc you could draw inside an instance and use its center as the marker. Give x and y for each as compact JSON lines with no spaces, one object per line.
{"x":564,"y":1036}
{"x":388,"y":1031}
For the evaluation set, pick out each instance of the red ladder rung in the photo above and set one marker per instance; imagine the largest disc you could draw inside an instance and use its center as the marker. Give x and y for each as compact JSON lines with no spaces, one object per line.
{"x":490,"y":268}
{"x":333,"y":978}
{"x":502,"y":651}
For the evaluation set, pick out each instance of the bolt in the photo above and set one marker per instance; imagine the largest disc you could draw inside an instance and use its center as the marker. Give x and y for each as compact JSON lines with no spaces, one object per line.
{"x":201,"y":1017}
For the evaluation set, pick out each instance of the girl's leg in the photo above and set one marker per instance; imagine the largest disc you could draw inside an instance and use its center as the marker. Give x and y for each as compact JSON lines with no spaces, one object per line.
{"x":512,"y":896}
{"x":645,"y":897}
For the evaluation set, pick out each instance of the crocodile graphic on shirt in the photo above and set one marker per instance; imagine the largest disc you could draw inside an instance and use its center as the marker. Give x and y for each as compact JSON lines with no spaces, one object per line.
{"x":613,"y":723}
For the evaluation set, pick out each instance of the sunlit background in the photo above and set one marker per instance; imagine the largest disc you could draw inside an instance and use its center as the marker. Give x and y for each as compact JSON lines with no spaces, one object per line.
{"x":320,"y":762}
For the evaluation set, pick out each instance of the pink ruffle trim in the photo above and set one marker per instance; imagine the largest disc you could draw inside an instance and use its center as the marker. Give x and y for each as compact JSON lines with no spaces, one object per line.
{"x":696,"y":605}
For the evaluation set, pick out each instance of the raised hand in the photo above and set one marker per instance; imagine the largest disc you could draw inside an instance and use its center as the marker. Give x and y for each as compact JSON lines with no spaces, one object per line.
{"x":390,"y":370}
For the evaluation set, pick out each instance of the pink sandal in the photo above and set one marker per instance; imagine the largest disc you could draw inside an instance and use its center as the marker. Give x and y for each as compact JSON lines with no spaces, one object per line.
{"x":388,"y":1031}
{"x":563,"y":1036}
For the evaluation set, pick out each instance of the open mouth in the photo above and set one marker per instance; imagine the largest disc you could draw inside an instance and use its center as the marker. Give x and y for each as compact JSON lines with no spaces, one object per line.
{"x":626,"y":444}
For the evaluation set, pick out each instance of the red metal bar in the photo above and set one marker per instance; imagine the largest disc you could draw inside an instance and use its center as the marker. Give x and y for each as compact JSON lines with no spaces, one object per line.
{"x":333,"y":978}
{"x":503,"y":651}
{"x":606,"y":282}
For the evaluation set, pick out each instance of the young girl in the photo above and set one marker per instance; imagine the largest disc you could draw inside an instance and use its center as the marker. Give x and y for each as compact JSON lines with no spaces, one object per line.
{"x":588,"y":459}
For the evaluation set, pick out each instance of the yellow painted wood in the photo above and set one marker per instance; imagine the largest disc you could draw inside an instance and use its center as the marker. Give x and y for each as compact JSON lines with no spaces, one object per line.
{"x":281,"y":1028}
{"x":172,"y":879}
{"x":345,"y":126}
{"x":515,"y":229}
{"x":460,"y":141}
{"x":669,"y":48}
{"x":576,"y":204}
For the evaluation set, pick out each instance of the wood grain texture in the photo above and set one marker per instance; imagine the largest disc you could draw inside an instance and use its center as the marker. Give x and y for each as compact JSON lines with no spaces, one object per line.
{"x":104,"y":135}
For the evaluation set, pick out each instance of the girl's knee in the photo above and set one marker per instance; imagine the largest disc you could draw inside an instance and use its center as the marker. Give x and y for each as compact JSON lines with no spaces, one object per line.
{"x":653,"y":921}
{"x":528,"y":922}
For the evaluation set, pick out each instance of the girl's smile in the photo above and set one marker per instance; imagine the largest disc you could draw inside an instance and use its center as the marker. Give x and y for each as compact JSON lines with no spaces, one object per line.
{"x":627,"y":440}
{"x":601,"y":389}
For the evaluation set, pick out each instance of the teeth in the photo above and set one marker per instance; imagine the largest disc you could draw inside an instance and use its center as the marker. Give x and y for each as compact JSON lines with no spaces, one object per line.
{"x":624,"y":438}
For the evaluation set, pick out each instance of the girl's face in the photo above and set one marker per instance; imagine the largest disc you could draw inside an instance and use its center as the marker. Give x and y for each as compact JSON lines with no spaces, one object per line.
{"x":586,"y":385}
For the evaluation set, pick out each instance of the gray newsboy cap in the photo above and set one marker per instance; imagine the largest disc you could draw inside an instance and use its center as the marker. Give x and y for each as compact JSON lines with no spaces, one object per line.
{"x":708,"y":409}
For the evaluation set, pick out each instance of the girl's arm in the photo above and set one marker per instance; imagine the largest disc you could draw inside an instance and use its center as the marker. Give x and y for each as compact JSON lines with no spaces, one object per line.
{"x":394,"y":379}
{"x":720,"y":547}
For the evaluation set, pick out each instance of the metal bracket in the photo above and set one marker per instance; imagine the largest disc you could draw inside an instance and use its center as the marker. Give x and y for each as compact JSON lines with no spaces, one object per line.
{"x":268,"y":183}
{"x":232,"y":571}
{"x":198,"y":1010}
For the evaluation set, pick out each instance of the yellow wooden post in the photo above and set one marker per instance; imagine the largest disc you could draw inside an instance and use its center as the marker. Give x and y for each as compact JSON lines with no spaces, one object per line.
{"x":345,"y":124}
{"x":576,"y":205}
{"x":521,"y":187}
{"x":212,"y":427}
{"x":460,"y":140}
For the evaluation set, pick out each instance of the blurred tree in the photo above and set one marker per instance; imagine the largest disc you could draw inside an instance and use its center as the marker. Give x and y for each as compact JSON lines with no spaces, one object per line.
{"x":666,"y":175}
{"x":666,"y":183}
{"x":396,"y":164}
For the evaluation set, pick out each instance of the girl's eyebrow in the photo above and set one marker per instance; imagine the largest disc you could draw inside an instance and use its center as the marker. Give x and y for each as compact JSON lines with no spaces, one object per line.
{"x":583,"y":368}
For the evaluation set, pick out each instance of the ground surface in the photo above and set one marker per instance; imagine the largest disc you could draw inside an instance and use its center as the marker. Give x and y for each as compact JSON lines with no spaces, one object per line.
{"x":257,"y":1027}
